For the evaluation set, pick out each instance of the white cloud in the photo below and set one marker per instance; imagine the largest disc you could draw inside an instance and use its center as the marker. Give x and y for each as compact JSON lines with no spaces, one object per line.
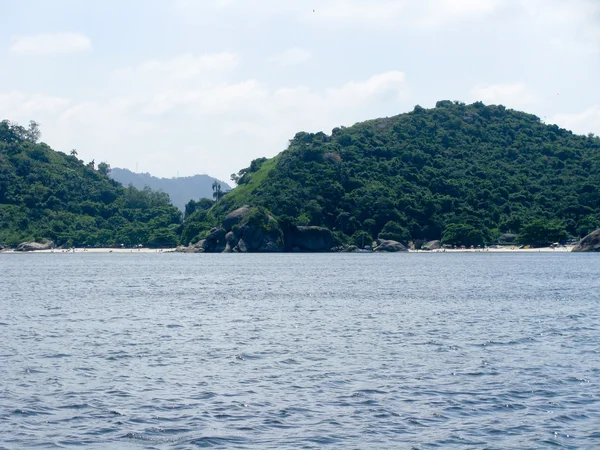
{"x":292,"y":56}
{"x":512,"y":95}
{"x":19,"y":106}
{"x":181,"y":67}
{"x":49,"y":44}
{"x":587,"y":121}
{"x":208,"y":124}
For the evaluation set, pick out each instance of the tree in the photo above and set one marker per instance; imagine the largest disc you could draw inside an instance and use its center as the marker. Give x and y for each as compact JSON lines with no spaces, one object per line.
{"x":104,"y":168}
{"x":463,"y":234}
{"x":217,"y":192}
{"x":542,"y":232}
{"x":33,"y":132}
{"x":394,"y":231}
{"x":203,"y":204}
{"x":74,"y":152}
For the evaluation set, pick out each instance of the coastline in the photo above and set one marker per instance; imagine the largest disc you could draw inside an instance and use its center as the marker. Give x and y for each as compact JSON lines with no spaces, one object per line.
{"x":94,"y":250}
{"x":506,"y":249}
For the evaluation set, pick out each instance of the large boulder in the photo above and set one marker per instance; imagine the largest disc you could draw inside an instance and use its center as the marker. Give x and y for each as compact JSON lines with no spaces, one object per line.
{"x":310,"y":239}
{"x":235,"y":217}
{"x":189,"y":249}
{"x":432,"y":245}
{"x":215,"y":241}
{"x":257,"y":231}
{"x":385,"y":245}
{"x":244,"y":230}
{"x":33,"y":246}
{"x":590,"y":243}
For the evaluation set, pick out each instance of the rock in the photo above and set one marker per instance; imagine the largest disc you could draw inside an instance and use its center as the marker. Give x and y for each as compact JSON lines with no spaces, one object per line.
{"x":231,"y":241}
{"x":258,"y":231}
{"x":190,"y":249}
{"x":346,"y":249}
{"x":431,"y":245}
{"x":590,"y":243}
{"x":384,"y":245}
{"x":310,"y":239}
{"x":235,"y":217}
{"x":241,"y":247}
{"x":215,"y":241}
{"x":244,"y":230}
{"x":32,"y":246}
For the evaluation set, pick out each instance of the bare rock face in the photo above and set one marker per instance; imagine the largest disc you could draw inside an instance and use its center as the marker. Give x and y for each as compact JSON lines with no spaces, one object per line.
{"x":310,"y":239}
{"x":33,"y":246}
{"x":384,"y":245}
{"x":590,"y":243}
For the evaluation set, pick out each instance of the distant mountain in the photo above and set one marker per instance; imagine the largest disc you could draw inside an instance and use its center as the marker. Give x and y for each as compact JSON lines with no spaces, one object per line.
{"x":181,"y":190}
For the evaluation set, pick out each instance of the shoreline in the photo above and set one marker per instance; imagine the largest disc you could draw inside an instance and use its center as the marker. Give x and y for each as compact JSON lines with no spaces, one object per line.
{"x":565,"y":249}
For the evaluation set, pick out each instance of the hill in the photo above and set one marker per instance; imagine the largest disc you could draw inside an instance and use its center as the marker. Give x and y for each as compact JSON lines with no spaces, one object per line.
{"x":181,"y":189}
{"x":459,"y":173}
{"x":45,"y":194}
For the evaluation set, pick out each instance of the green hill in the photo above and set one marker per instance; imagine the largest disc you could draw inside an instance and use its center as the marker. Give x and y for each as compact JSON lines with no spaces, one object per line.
{"x":460,"y":173}
{"x":46,"y":194}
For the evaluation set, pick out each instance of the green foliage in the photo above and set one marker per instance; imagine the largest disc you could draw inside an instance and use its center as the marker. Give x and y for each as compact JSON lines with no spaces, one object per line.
{"x":362,"y":239}
{"x":48,"y":194}
{"x":542,"y":232}
{"x":463,"y":234}
{"x":455,"y":172}
{"x":395,"y":232}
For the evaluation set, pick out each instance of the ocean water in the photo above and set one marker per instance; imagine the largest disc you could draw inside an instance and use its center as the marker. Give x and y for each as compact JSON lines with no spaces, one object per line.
{"x":169,"y":351}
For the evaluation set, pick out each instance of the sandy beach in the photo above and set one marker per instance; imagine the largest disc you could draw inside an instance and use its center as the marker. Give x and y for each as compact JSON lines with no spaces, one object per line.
{"x":97,"y":250}
{"x":505,"y":249}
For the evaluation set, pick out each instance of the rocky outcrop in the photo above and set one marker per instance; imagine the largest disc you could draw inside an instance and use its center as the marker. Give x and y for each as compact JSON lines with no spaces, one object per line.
{"x":257,"y":231}
{"x":235,"y":217}
{"x":431,"y":245}
{"x":33,"y":246}
{"x":310,"y":239}
{"x":346,"y":249}
{"x":590,"y":243}
{"x":384,"y":245}
{"x":244,"y":230}
{"x":215,"y":241}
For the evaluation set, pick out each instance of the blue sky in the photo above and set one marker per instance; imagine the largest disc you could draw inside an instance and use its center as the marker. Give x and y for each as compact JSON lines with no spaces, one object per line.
{"x":185,"y":87}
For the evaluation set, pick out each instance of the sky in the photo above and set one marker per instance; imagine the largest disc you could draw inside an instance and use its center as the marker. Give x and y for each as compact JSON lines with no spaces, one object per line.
{"x":183,"y":87}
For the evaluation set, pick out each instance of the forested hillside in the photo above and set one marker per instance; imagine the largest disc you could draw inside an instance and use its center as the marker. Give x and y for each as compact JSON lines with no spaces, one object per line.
{"x":181,"y":189}
{"x":46,"y":194}
{"x":461,"y":173}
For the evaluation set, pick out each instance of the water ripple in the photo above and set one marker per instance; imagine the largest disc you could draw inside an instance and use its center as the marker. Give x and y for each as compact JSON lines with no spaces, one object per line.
{"x":299,"y":351}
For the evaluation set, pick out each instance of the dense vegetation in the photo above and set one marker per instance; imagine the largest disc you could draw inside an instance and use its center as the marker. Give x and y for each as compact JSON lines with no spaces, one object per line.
{"x":46,"y":194}
{"x":181,"y":189}
{"x":459,"y":173}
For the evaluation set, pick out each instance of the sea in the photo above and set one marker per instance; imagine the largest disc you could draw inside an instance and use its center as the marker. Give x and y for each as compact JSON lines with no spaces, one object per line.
{"x":300,"y":351}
